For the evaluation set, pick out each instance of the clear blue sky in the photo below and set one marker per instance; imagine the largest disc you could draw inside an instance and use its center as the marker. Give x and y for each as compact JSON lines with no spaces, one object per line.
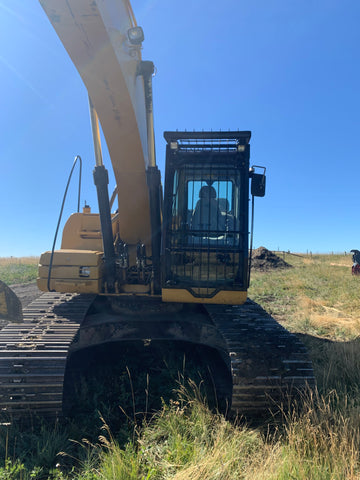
{"x":288,"y":70}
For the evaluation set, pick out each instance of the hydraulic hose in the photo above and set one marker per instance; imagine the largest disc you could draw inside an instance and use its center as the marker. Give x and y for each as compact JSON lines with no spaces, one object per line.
{"x":77,"y":158}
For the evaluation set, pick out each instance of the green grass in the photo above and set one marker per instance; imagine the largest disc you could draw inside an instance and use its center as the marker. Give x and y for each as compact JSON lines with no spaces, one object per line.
{"x":185,"y":441}
{"x":319,"y":440}
{"x":18,"y":270}
{"x":319,"y":296}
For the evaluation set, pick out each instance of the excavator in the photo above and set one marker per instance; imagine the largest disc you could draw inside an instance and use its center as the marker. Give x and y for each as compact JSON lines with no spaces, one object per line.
{"x":155,"y":268}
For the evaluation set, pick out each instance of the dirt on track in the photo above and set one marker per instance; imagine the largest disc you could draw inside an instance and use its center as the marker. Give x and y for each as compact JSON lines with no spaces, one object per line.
{"x":27,"y":292}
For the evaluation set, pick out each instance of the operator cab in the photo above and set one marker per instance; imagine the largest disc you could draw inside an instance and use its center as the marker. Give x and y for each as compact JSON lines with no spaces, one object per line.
{"x":205,"y":241}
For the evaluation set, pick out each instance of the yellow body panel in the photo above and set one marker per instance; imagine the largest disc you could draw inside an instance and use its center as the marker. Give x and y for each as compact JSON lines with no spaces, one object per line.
{"x":73,"y":257}
{"x":70,"y":286}
{"x":82,"y":232}
{"x":67,"y":273}
{"x":59,"y":271}
{"x":223,"y":297}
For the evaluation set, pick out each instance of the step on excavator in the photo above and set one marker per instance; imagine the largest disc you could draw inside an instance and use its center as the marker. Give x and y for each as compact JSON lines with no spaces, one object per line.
{"x":157,"y":269}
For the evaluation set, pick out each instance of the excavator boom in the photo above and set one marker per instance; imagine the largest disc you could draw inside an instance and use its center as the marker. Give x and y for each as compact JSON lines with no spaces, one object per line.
{"x":95,"y":34}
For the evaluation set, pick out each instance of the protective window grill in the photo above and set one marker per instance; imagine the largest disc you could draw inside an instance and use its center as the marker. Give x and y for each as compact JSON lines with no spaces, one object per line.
{"x":206,"y":235}
{"x":199,"y":142}
{"x":208,"y":145}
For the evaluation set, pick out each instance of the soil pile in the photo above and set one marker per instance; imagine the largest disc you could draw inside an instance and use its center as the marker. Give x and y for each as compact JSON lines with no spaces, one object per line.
{"x":263,"y":260}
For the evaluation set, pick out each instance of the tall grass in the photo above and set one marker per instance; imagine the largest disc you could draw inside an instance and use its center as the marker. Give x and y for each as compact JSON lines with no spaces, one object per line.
{"x":185,"y":441}
{"x":7,"y":261}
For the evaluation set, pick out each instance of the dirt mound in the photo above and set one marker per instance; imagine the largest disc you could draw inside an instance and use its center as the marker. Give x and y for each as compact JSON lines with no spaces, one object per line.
{"x":263,"y":259}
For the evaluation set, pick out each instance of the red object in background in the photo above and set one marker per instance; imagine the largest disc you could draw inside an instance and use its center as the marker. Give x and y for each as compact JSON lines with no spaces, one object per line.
{"x":355,"y":270}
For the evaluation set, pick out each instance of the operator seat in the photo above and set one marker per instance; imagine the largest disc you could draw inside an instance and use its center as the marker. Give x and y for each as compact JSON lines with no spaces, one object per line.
{"x":207,"y":215}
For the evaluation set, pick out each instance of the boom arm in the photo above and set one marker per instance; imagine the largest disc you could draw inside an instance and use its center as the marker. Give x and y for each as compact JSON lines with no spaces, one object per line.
{"x":95,"y":35}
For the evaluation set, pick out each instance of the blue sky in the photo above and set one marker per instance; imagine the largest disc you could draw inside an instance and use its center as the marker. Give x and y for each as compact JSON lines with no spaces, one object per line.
{"x":288,"y":70}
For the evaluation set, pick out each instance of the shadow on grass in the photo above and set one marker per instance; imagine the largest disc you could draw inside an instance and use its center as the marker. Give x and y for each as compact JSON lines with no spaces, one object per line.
{"x":336,"y":364}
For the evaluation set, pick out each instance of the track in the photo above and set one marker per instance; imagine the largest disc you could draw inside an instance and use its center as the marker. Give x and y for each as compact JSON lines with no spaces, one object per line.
{"x":33,"y":354}
{"x":267,"y":362}
{"x":269,"y":365}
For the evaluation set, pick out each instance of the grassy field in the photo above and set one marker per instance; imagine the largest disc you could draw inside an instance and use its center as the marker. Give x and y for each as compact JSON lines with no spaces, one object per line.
{"x":18,"y":270}
{"x":318,"y":300}
{"x":318,"y":296}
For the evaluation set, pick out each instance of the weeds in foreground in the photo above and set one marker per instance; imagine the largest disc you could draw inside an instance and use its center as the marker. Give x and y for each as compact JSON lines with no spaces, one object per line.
{"x":185,"y":441}
{"x":323,"y":440}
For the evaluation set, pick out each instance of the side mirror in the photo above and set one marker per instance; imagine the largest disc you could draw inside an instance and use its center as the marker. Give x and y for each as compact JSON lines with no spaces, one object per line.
{"x":258,"y":182}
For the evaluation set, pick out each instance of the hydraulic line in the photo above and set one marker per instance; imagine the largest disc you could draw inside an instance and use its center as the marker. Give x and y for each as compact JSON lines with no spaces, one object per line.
{"x":146,"y":70}
{"x":101,"y":180}
{"x":77,"y":158}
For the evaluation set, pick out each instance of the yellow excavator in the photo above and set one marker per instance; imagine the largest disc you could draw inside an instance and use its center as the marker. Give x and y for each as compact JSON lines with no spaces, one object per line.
{"x":156,"y":268}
